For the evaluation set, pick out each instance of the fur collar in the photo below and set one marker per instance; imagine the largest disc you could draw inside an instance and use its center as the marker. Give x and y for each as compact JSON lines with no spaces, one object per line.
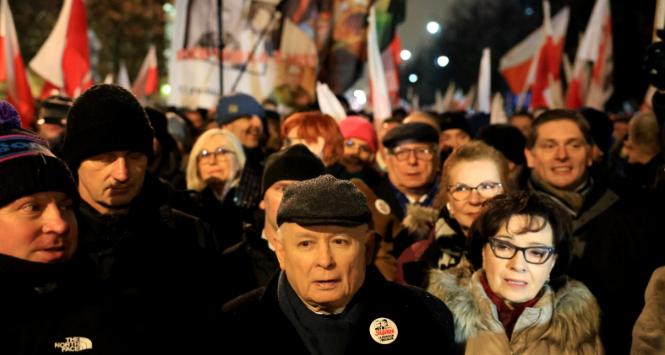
{"x":575,"y":319}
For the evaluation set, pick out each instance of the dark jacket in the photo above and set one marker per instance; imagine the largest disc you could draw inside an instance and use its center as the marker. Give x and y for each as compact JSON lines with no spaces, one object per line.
{"x":49,"y":307}
{"x":613,"y":254}
{"x":250,"y":264}
{"x":160,"y":267}
{"x":256,"y":323}
{"x":225,"y":217}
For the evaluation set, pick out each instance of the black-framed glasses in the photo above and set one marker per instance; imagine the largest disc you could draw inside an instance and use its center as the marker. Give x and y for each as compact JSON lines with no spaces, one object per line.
{"x":486,"y":189}
{"x":423,"y":153}
{"x":533,"y":255}
{"x":207,"y":156}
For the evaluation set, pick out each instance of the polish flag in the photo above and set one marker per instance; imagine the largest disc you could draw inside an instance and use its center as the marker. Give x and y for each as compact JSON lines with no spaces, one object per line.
{"x":546,"y":88}
{"x":12,"y":70}
{"x":596,"y":48}
{"x":64,"y":60}
{"x":123,"y":77}
{"x":518,"y":66}
{"x":484,"y":82}
{"x":381,"y":106}
{"x":147,"y":80}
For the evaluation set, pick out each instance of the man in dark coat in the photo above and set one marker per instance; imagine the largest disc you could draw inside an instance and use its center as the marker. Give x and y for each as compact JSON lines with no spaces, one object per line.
{"x":324,"y":301}
{"x":252,"y":260}
{"x":154,"y":261}
{"x":612,"y":253}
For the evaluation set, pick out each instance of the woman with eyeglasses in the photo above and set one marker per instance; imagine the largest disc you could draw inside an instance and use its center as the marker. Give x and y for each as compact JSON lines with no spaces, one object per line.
{"x":509,"y":306}
{"x":472,"y":174}
{"x":213,"y":171}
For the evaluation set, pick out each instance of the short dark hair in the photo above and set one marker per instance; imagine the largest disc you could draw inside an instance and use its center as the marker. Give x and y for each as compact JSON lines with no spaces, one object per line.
{"x":540,"y":210}
{"x":559,"y":115}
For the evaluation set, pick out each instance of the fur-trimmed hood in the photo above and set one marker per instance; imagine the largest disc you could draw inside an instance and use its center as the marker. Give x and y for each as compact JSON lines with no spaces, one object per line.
{"x":567,"y":318}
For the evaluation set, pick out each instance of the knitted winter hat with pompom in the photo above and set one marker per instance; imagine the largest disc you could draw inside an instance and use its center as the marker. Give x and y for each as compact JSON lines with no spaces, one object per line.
{"x":27,"y":166}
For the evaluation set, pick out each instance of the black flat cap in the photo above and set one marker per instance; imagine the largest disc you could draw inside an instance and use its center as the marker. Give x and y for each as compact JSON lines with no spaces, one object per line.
{"x":411,"y":132}
{"x":324,"y":200}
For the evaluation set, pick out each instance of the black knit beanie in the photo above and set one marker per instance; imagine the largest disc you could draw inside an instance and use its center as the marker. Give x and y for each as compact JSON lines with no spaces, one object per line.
{"x":106,"y":118}
{"x":324,"y":200}
{"x":27,"y":166}
{"x":294,"y":163}
{"x":506,"y":139}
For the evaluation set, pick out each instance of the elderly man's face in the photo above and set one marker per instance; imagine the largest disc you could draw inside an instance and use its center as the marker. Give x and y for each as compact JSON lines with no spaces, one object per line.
{"x":248,"y":130}
{"x":412,"y":165}
{"x":560,"y":155}
{"x":325,"y":265}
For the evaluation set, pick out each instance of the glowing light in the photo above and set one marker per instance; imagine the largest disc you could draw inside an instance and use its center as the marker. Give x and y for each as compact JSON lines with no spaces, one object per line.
{"x":433,"y":27}
{"x":442,"y":61}
{"x":413,"y":78}
{"x":405,"y":54}
{"x":168,"y":7}
{"x":165,"y":90}
{"x":360,"y":96}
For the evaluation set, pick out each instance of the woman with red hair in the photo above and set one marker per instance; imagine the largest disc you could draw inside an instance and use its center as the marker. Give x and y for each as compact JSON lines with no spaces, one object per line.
{"x":318,"y":131}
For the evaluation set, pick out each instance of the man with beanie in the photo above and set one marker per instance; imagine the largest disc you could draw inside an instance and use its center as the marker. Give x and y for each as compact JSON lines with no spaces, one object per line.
{"x":455,"y":130}
{"x":245,"y":118}
{"x":360,"y":145}
{"x":325,"y":300}
{"x":253,"y":259}
{"x":49,"y":303}
{"x":151,"y":257}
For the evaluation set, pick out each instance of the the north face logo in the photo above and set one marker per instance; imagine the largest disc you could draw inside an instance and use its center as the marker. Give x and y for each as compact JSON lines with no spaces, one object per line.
{"x":74,"y":344}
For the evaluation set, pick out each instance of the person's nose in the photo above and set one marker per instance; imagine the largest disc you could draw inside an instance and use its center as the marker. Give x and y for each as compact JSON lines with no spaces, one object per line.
{"x":413,"y":159}
{"x":120,"y":170}
{"x":54,"y":222}
{"x":518,"y":262}
{"x":255,"y":123}
{"x":562,"y":152}
{"x":325,"y":257}
{"x":475,"y":198}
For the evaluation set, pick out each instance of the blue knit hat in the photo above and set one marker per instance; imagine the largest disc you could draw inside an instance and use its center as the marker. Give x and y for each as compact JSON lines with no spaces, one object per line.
{"x":230,"y":108}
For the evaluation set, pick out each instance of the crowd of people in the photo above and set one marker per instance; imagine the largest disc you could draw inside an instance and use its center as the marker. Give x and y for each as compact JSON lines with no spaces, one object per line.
{"x":130,"y":229}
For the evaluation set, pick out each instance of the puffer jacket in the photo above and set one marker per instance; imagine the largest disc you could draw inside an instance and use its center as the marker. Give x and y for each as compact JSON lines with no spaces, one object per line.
{"x":565,"y":321}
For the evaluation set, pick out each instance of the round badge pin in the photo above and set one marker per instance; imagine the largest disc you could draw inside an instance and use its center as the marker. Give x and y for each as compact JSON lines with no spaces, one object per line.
{"x":382,"y":206}
{"x":383,"y":330}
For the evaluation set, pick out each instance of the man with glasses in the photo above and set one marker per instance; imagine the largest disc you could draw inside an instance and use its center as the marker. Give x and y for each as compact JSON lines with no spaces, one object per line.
{"x":610,"y":248}
{"x":413,"y":166}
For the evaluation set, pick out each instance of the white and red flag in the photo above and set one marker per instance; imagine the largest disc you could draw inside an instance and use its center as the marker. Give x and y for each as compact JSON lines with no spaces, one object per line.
{"x":381,"y":106}
{"x":147,"y":80}
{"x":519,"y":65}
{"x":596,"y":48}
{"x":546,"y":88}
{"x":64,"y":60}
{"x":12,"y":70}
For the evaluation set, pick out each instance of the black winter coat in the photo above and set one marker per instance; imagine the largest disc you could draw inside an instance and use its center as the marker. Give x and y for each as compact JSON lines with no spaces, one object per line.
{"x":255,"y":323}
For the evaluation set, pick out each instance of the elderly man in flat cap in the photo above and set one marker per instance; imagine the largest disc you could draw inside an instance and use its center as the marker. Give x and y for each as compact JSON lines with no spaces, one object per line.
{"x":325,"y":300}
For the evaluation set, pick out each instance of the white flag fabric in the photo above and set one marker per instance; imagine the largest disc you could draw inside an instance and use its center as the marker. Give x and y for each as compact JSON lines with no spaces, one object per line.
{"x":147,"y":79}
{"x":484,"y":82}
{"x":64,"y":60}
{"x":123,"y":76}
{"x":328,"y":102}
{"x":379,"y":88}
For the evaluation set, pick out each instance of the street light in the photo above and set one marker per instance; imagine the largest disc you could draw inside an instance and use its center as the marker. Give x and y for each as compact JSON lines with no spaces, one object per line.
{"x":405,"y":54}
{"x":433,"y":27}
{"x":360,"y":96}
{"x":442,"y":61}
{"x":413,"y":78}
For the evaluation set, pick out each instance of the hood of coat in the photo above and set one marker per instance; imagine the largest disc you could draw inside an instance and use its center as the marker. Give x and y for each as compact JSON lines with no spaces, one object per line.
{"x":575,"y":313}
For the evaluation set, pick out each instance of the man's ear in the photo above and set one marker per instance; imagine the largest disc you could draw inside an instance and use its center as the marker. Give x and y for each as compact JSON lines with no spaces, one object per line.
{"x":262,"y":205}
{"x":529,"y":157}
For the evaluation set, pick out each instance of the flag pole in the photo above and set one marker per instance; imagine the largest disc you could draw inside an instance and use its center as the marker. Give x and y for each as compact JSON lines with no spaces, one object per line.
{"x":220,"y":44}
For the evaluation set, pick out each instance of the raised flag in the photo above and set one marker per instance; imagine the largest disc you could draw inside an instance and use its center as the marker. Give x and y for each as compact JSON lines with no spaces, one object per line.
{"x":484,"y":82}
{"x":123,"y":76}
{"x":517,"y":66}
{"x":147,"y":80}
{"x":546,"y":87}
{"x":12,"y":70}
{"x":381,"y":106}
{"x":63,"y":60}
